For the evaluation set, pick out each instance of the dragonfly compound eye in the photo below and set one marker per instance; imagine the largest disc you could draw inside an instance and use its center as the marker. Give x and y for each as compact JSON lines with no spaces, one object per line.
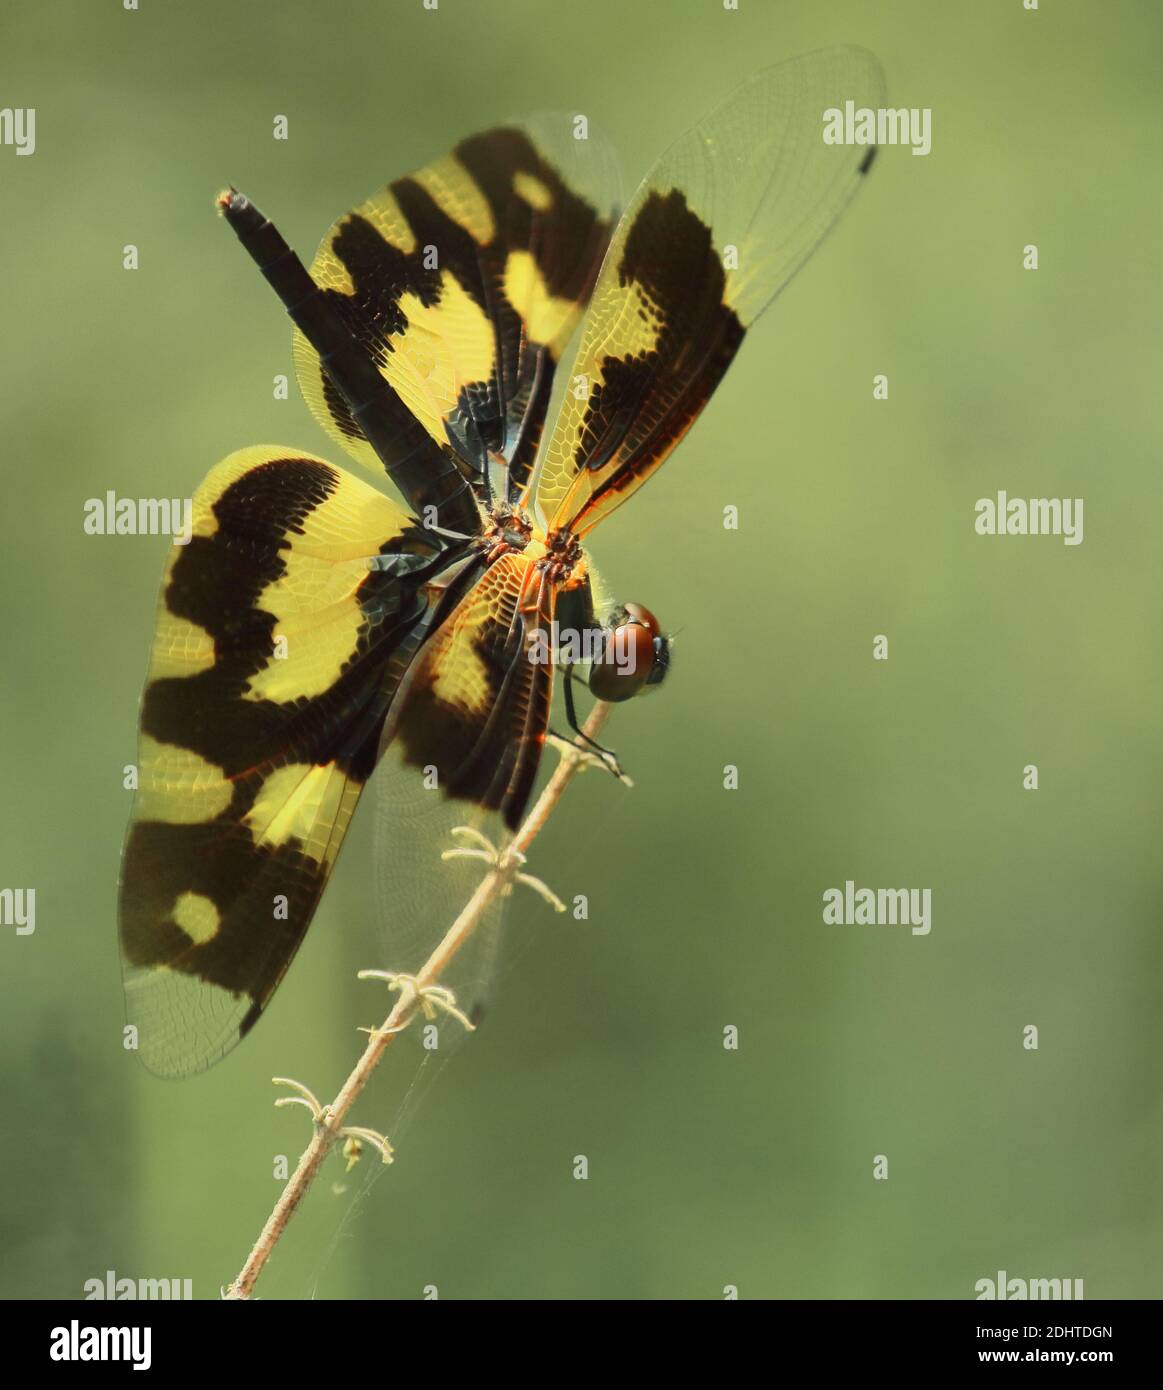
{"x":635,"y":656}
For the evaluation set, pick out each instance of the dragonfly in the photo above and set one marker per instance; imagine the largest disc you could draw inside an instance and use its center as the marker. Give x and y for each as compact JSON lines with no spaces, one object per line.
{"x":313,"y":625}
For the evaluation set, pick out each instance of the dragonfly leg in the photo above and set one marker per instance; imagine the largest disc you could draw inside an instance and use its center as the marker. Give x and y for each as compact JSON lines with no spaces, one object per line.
{"x":606,"y":756}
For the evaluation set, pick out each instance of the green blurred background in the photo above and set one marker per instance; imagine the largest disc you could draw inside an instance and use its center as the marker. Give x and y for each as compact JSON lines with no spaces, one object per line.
{"x":752,"y":1168}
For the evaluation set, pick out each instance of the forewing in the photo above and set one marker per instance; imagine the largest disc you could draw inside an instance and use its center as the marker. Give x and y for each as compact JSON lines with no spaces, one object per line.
{"x":464,"y":282}
{"x":283,"y":627}
{"x":719,"y":226}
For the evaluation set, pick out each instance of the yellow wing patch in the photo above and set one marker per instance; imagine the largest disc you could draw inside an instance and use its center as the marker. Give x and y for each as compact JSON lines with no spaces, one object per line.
{"x":441,"y":349}
{"x":459,"y":663}
{"x":532,"y":191}
{"x":292,"y":802}
{"x":457,"y":194}
{"x":549,"y":318}
{"x":198,"y":917}
{"x":178,"y":785}
{"x":181,"y":648}
{"x":623,"y":326}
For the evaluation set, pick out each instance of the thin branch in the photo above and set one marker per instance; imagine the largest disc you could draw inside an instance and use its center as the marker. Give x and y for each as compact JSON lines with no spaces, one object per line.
{"x":329,"y":1120}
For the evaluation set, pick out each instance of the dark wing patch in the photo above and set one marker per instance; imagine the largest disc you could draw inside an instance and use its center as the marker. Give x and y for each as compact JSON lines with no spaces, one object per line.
{"x":283,"y":628}
{"x":463,"y":282}
{"x":716,"y":230}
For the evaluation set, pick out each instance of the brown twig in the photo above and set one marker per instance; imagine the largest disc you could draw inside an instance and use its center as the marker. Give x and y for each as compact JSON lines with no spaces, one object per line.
{"x":329,"y":1123}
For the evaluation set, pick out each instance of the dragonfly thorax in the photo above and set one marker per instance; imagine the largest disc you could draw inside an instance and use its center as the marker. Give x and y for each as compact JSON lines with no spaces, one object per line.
{"x":506,"y":529}
{"x":564,"y":558}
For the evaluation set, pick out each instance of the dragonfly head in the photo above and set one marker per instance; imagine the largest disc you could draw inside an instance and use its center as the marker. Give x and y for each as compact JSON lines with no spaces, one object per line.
{"x":635,"y":658}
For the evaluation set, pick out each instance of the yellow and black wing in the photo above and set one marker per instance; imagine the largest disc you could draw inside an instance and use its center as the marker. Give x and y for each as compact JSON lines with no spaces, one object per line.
{"x":463,"y":282}
{"x":284,"y":627}
{"x":474,"y":708}
{"x":718,"y":227}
